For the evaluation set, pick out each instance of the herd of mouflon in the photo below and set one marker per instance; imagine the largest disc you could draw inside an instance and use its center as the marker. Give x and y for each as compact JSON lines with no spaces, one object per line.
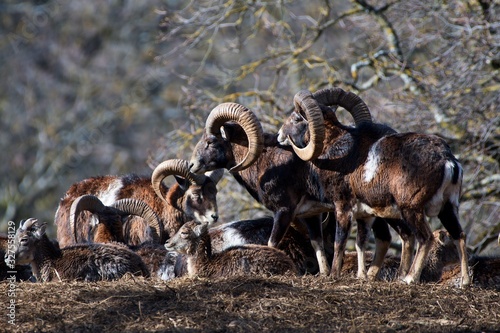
{"x":367,"y":175}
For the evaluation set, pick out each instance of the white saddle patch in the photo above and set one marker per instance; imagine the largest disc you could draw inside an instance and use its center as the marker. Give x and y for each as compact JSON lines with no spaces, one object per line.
{"x":110,"y":195}
{"x":372,"y":163}
{"x":232,"y":238}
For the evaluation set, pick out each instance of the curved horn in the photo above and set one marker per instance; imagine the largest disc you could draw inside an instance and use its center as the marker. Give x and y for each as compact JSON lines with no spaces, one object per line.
{"x":26,"y":224}
{"x":215,"y":175}
{"x":173,"y":167}
{"x":140,"y":208}
{"x":348,"y":100}
{"x":303,"y":100}
{"x":247,"y":120}
{"x":84,"y":202}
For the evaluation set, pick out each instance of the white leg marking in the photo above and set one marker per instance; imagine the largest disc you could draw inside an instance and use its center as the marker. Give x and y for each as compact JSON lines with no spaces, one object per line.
{"x":321,"y":256}
{"x":361,"y":262}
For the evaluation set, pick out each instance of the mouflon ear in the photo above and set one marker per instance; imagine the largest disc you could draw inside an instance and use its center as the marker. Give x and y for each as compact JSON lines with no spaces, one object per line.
{"x":40,"y":229}
{"x":183,"y":182}
{"x":201,"y":228}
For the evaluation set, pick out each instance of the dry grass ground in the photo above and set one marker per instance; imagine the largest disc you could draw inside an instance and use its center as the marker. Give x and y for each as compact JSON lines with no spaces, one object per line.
{"x":276,"y":304}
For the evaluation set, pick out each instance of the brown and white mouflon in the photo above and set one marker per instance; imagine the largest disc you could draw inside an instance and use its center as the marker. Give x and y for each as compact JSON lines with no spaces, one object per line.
{"x":191,"y":197}
{"x":406,"y":176}
{"x":233,"y":139}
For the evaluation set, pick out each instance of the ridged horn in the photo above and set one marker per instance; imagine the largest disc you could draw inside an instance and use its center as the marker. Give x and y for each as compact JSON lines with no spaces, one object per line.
{"x":215,"y":175}
{"x":303,"y":100}
{"x":26,"y":224}
{"x":171,"y":167}
{"x":139,"y":208}
{"x":247,"y":120}
{"x":85,"y":202}
{"x":348,"y":100}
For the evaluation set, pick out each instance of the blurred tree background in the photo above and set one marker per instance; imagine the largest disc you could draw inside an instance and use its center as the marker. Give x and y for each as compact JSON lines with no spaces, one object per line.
{"x":113,"y":87}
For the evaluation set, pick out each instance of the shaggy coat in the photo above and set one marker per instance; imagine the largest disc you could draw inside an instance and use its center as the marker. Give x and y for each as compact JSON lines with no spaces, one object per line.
{"x":82,"y":262}
{"x":193,"y":240}
{"x":184,"y":203}
{"x":22,"y":272}
{"x":271,"y":180}
{"x":399,"y":176}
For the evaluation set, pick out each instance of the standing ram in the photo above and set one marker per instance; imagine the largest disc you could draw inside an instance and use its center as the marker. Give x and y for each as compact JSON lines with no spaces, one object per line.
{"x":191,"y":197}
{"x":361,"y":114}
{"x":399,"y":176}
{"x":233,"y":139}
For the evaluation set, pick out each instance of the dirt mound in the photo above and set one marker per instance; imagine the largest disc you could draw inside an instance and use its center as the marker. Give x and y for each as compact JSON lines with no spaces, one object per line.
{"x":277,"y":304}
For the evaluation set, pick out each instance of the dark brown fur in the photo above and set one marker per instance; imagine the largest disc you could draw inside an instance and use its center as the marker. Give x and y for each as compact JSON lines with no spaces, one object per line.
{"x":153,"y":255}
{"x":193,"y":240}
{"x":257,"y":231}
{"x":345,"y":150}
{"x":244,"y":232}
{"x":85,"y":262}
{"x":21,"y":272}
{"x":485,"y":272}
{"x":277,"y":179}
{"x":409,"y":172}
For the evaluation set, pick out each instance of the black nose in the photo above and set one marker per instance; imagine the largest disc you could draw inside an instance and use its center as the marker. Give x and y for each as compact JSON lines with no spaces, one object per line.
{"x":215,"y":217}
